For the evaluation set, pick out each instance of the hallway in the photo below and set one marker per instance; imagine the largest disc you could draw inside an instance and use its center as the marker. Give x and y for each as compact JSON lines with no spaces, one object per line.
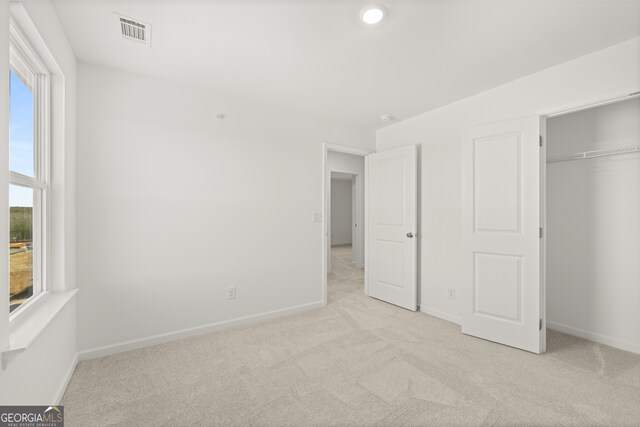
{"x":344,"y":280}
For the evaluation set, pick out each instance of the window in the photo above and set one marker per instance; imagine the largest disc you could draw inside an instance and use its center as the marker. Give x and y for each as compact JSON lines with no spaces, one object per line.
{"x":28,"y":169}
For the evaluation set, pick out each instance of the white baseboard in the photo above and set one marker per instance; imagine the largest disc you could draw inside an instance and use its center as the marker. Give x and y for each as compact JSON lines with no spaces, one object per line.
{"x":595,"y":337}
{"x":190,"y":332}
{"x":441,"y":314}
{"x":65,"y":381}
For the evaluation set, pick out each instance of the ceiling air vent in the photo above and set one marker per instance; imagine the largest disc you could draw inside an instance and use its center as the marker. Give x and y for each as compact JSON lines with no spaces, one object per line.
{"x":132,"y":29}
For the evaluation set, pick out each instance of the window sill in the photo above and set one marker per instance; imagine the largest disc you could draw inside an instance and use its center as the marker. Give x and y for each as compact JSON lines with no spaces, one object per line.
{"x":25,"y":330}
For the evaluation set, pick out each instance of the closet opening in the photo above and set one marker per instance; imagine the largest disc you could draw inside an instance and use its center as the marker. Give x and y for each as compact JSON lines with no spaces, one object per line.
{"x":592,"y":228}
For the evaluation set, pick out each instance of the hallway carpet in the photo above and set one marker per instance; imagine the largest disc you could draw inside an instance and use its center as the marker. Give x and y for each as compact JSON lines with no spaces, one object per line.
{"x":358,"y":361}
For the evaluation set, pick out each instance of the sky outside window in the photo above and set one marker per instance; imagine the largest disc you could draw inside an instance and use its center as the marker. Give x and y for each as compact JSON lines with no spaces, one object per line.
{"x":21,"y":145}
{"x":20,"y":196}
{"x":22,"y":161}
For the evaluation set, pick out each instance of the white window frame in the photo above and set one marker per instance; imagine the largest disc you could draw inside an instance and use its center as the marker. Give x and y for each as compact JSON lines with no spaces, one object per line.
{"x":26,"y":64}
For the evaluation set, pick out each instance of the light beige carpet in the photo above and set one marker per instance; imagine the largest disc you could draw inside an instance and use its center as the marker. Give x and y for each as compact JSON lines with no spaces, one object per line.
{"x":357,"y":362}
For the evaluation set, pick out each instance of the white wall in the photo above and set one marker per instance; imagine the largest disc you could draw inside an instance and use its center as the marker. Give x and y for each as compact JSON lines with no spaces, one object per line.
{"x":341,"y":219}
{"x":39,"y":375}
{"x":593,"y":232}
{"x":345,"y":163}
{"x":600,"y":75}
{"x":175,"y":206}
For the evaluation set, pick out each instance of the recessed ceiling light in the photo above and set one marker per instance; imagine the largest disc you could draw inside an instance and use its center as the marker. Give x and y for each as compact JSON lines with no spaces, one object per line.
{"x":372,"y":14}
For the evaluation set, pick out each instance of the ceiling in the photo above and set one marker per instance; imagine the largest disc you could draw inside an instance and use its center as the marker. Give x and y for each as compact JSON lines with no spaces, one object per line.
{"x":317,"y":57}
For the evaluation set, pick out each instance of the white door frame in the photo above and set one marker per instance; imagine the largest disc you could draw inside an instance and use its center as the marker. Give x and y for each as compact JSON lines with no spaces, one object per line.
{"x":326,"y":199}
{"x":357,"y":213}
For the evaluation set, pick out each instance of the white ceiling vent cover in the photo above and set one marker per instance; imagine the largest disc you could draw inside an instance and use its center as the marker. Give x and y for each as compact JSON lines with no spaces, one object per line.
{"x":132,"y":29}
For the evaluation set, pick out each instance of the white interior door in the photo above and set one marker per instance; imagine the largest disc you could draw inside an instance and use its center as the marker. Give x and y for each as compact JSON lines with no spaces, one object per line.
{"x":502,"y":229}
{"x":392,"y":210}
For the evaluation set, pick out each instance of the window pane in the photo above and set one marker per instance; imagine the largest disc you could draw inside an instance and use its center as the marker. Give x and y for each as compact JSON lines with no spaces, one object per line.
{"x":20,"y":245}
{"x":21,"y":145}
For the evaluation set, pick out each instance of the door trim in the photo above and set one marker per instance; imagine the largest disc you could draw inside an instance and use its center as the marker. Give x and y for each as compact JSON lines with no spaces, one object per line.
{"x":326,"y":197}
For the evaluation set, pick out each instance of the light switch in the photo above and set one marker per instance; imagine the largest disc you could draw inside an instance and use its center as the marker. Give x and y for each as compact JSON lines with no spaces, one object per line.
{"x":317,"y":217}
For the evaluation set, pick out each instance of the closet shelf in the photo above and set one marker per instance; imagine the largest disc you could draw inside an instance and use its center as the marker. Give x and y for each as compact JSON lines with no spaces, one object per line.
{"x":594,"y":153}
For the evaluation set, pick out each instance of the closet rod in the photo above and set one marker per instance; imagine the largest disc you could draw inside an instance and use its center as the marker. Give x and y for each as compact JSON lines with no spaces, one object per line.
{"x":594,"y":153}
{"x":597,"y":104}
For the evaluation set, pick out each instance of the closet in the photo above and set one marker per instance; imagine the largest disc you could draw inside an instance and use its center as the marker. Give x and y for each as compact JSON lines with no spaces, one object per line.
{"x":593,"y":224}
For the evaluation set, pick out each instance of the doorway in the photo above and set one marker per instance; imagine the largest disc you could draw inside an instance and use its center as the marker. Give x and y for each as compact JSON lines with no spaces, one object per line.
{"x":346,"y":269}
{"x":346,"y":213}
{"x":344,"y":224}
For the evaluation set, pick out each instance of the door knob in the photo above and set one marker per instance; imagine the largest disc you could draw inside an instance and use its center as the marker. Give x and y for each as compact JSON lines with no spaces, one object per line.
{"x":410,"y":235}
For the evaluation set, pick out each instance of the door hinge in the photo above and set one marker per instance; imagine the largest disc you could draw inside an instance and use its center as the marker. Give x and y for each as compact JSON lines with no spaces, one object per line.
{"x":540,"y":325}
{"x":540,"y":140}
{"x":541,"y":232}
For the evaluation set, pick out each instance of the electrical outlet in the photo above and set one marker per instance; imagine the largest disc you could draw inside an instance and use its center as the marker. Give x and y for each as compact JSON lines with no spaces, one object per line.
{"x":452,"y":293}
{"x":231,"y":293}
